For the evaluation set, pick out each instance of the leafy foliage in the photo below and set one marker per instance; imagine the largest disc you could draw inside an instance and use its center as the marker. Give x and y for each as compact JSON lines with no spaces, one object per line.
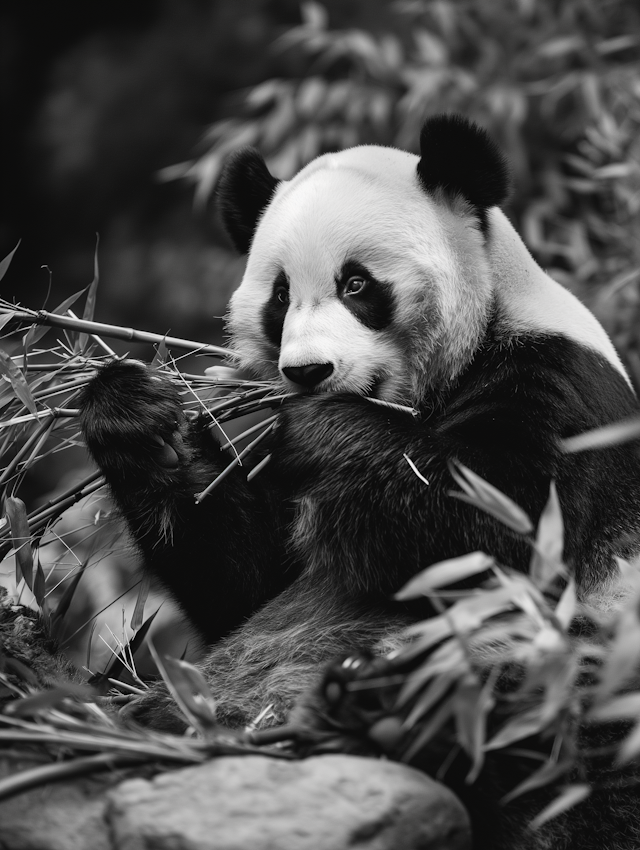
{"x":515,"y":665}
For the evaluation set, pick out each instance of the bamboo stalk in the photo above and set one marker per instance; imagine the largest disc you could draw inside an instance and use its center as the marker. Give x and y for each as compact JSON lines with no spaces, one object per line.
{"x":95,"y":337}
{"x":43,"y":317}
{"x":72,"y":384}
{"x":54,"y":412}
{"x":37,"y":522}
{"x":64,"y":500}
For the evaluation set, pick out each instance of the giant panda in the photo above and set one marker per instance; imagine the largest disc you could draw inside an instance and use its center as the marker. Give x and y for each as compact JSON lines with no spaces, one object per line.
{"x":373,"y":274}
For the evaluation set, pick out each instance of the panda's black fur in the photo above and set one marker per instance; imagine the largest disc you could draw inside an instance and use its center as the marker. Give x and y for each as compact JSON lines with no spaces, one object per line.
{"x":298,"y":566}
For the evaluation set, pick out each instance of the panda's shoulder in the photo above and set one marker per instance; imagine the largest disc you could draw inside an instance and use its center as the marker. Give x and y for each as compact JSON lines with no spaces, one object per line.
{"x":532,"y":373}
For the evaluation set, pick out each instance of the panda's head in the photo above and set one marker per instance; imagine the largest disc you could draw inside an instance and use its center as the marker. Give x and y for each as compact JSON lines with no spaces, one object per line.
{"x":368,"y":272}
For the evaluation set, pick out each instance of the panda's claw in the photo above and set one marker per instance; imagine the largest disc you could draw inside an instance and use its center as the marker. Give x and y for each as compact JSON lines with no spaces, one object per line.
{"x":165,"y":454}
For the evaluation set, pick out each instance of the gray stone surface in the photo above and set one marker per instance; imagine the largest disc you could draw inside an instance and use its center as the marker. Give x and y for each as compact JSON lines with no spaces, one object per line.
{"x":241,"y":803}
{"x":257,"y":803}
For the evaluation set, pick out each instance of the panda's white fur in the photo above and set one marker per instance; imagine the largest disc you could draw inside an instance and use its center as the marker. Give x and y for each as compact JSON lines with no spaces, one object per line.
{"x":530,"y":300}
{"x":366,"y":204}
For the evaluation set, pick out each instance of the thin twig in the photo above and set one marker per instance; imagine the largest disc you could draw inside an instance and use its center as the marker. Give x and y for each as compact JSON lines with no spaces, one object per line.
{"x":26,"y":447}
{"x":237,"y":461}
{"x":258,"y":468}
{"x":248,"y":432}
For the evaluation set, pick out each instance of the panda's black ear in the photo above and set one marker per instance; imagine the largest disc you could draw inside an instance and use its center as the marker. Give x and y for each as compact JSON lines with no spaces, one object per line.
{"x":244,"y":189}
{"x":460,"y":158}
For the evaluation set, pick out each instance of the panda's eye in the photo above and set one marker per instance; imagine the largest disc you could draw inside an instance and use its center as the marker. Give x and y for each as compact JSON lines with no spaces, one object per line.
{"x":355,"y":285}
{"x":282,"y":295}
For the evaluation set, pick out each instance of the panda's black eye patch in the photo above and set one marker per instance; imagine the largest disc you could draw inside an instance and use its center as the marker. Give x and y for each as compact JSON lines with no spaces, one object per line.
{"x":371,"y":301}
{"x":275,"y":309}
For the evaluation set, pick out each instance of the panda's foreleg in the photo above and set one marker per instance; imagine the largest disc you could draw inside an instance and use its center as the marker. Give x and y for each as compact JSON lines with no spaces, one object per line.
{"x":221,"y":558}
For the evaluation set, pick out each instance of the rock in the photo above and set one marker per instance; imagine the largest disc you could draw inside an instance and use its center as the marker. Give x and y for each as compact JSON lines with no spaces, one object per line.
{"x":322,"y":803}
{"x":240,"y":803}
{"x":58,"y":816}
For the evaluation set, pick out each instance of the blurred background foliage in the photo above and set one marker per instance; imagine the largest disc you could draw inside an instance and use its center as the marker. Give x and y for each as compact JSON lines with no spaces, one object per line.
{"x":104,"y":100}
{"x":117,"y":118}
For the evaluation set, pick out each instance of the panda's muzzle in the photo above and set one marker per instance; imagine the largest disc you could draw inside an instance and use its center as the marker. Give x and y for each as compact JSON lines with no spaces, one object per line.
{"x":308,"y":376}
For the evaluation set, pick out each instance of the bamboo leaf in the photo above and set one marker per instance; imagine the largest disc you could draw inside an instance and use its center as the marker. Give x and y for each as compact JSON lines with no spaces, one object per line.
{"x":162,"y":354}
{"x":6,"y":261}
{"x":425,"y":701}
{"x":548,"y":773}
{"x":466,"y":698}
{"x":90,"y":303}
{"x":39,"y":588}
{"x":621,"y":665}
{"x":89,"y":643}
{"x":51,"y":698}
{"x":546,"y":561}
{"x":18,"y":381}
{"x":608,"y":435}
{"x":428,"y":632}
{"x":445,"y":573}
{"x":138,"y":612}
{"x":115,"y":667}
{"x":571,"y":796}
{"x":481,"y":494}
{"x":6,"y":318}
{"x":36,"y":332}
{"x":523,"y":726}
{"x":463,"y":617}
{"x":630,"y":746}
{"x":21,"y":539}
{"x":65,"y":600}
{"x":448,"y":659}
{"x":567,"y":604}
{"x":428,"y":730}
{"x":625,"y":707}
{"x":479,"y":711}
{"x":189,"y":689}
{"x":24,"y":780}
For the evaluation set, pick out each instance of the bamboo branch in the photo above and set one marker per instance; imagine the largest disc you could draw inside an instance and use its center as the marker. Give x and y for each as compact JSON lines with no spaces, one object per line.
{"x":43,"y":317}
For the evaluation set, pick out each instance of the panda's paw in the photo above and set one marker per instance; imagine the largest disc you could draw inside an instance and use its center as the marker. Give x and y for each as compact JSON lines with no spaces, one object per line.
{"x":156,"y":709}
{"x":132,"y":421}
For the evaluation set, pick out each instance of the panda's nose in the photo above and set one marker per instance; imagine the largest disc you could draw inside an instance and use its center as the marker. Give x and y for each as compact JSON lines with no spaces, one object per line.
{"x":309,"y":375}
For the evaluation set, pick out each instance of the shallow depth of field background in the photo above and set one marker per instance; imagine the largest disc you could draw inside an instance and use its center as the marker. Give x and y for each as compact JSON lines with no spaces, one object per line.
{"x":117,"y":117}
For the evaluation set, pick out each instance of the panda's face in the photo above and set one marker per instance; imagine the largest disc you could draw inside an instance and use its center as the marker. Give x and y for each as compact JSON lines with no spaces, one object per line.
{"x":354,"y":281}
{"x":358,"y":279}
